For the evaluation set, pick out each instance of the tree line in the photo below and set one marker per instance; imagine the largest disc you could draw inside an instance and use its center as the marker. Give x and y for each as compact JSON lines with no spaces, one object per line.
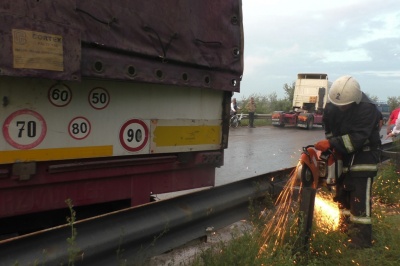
{"x":266,"y":104}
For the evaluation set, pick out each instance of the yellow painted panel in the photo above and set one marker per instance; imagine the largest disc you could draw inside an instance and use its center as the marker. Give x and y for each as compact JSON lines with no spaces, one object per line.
{"x":186,"y":135}
{"x":55,"y":154}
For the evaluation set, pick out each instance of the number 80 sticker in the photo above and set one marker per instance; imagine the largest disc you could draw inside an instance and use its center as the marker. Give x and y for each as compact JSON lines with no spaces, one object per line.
{"x":24,"y":129}
{"x":79,"y":128}
{"x":134,"y":135}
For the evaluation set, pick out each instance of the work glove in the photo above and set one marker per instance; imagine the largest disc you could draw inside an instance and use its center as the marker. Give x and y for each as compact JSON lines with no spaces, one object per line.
{"x":322,"y":145}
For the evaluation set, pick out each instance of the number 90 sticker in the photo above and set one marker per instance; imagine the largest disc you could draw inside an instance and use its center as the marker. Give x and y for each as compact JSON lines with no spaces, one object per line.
{"x":134,"y":135}
{"x":24,"y":129}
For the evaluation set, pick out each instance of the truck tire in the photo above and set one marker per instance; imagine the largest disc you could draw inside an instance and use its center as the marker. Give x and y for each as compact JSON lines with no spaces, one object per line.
{"x":280,"y":125}
{"x":310,"y":123}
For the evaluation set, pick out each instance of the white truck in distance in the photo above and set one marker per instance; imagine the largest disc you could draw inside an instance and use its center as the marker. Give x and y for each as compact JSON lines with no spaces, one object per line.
{"x":309,"y":99}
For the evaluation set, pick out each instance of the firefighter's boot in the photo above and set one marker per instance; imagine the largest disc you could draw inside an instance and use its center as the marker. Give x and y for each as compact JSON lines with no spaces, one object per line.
{"x":360,"y":236}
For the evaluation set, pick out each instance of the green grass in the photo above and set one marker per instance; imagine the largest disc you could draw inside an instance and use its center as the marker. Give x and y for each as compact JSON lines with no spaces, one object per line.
{"x":386,"y":186}
{"x":325,"y":247}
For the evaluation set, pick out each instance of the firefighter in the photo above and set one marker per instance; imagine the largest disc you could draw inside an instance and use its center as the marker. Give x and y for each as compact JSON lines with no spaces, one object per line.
{"x":353,"y":122}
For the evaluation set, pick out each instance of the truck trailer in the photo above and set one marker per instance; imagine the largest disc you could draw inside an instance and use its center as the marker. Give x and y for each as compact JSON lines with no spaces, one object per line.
{"x":309,"y":99}
{"x":112,"y":102}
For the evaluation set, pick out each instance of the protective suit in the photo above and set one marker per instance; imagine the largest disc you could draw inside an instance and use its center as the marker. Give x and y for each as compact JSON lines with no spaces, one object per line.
{"x":352,"y":128}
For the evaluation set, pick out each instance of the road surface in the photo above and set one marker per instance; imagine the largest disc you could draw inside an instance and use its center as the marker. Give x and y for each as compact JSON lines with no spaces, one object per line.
{"x":255,"y":151}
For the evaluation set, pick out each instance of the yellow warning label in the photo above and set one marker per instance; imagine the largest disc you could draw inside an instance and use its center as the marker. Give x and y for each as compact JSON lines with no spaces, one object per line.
{"x":187,"y":135}
{"x":37,"y":50}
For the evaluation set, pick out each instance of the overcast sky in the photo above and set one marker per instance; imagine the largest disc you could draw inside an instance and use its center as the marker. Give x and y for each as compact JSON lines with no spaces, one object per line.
{"x":342,"y":37}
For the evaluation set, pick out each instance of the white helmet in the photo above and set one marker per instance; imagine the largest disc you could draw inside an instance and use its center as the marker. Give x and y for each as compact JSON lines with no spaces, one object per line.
{"x":345,"y":90}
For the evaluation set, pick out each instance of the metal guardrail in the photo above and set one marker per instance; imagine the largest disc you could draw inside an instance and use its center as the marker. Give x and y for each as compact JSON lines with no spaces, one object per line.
{"x":257,"y":116}
{"x":262,"y":116}
{"x":131,"y":233}
{"x":135,"y":234}
{"x":393,"y":153}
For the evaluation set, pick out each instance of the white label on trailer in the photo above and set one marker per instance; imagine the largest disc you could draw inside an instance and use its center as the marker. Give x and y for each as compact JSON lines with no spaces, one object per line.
{"x":134,"y":135}
{"x":79,"y":128}
{"x":60,"y":95}
{"x":37,"y":50}
{"x":99,"y":98}
{"x":24,"y":129}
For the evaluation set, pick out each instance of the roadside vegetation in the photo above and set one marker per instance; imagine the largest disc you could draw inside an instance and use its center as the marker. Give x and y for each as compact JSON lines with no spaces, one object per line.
{"x":326,"y":247}
{"x":266,"y":104}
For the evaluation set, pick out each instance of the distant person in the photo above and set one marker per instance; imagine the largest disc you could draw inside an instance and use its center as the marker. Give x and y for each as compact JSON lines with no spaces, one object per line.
{"x":392,"y":119}
{"x":251,"y":108}
{"x":234,"y":107}
{"x":395,"y":132}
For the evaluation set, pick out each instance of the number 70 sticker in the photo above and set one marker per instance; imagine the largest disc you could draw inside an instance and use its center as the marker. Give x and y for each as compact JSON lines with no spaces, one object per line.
{"x":24,"y":129}
{"x":134,"y":135}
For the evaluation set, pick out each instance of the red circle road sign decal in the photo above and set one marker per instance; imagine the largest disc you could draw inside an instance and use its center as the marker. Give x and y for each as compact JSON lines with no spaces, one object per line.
{"x":99,"y":98}
{"x":79,"y":127}
{"x":24,"y":129}
{"x":59,"y":95}
{"x":134,"y":135}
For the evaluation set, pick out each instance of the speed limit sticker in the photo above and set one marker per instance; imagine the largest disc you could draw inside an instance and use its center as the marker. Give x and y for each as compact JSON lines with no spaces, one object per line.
{"x":60,"y":95}
{"x":79,"y":127}
{"x":134,"y":135}
{"x":24,"y":129}
{"x":99,"y":98}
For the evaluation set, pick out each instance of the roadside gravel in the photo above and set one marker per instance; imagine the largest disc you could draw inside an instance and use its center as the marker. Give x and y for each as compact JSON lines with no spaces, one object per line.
{"x":186,"y":254}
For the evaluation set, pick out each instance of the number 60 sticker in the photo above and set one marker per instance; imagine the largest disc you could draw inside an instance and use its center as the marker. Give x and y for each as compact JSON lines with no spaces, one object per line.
{"x":24,"y":129}
{"x":134,"y":135}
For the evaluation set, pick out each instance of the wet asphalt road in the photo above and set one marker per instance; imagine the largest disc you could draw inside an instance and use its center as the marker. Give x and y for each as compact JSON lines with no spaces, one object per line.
{"x":255,"y":151}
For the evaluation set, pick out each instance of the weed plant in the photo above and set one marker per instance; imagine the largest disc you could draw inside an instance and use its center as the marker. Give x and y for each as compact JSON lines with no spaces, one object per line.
{"x":73,"y":250}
